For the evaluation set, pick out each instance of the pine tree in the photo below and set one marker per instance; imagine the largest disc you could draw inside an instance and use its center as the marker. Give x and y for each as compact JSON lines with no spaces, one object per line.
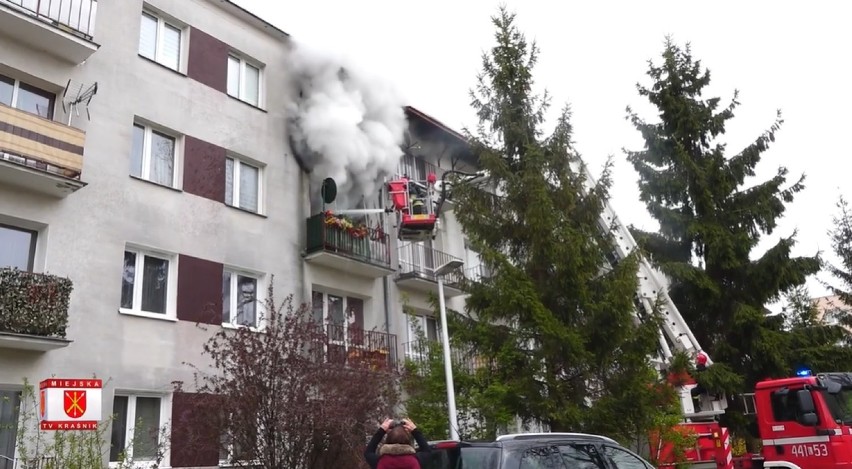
{"x":554,"y":326}
{"x":712,"y":216}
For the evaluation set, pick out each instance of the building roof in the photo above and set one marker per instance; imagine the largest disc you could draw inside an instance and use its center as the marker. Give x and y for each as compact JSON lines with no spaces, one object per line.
{"x":251,"y":18}
{"x":412,"y":111}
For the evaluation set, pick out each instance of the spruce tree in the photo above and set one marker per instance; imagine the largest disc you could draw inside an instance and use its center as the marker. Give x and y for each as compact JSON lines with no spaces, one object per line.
{"x":553,"y":323}
{"x":712,"y":215}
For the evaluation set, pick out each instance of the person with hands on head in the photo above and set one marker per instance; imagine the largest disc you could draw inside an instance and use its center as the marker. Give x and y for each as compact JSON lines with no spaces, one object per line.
{"x":397,"y":452}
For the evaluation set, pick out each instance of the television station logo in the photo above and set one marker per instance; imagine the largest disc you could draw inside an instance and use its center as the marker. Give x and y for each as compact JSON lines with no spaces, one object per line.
{"x":70,"y":404}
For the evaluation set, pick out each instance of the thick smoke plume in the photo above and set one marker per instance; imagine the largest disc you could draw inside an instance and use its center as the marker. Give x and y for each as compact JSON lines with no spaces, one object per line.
{"x":343,"y":123}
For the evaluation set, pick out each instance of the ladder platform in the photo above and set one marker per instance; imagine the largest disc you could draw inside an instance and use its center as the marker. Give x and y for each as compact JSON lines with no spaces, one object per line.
{"x":704,"y":415}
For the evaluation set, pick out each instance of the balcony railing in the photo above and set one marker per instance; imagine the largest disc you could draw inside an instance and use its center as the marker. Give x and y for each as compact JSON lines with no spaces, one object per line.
{"x":339,"y":236}
{"x":421,"y":353}
{"x":34,"y":304}
{"x":74,"y":16}
{"x":418,"y":260}
{"x":357,"y":347}
{"x":40,"y":143}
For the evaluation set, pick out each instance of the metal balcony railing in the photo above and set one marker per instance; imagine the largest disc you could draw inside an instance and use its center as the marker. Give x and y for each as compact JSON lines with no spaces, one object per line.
{"x":423,"y":352}
{"x":351,"y":346}
{"x":331,"y":234}
{"x":417,"y":260}
{"x":74,"y":16}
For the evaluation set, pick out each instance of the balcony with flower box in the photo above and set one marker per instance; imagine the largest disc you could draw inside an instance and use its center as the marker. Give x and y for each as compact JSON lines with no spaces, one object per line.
{"x":339,"y":243}
{"x":33,"y":310}
{"x":61,"y":28}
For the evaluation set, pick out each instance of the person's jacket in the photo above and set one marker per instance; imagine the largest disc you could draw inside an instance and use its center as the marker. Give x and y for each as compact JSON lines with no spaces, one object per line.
{"x":373,"y":457}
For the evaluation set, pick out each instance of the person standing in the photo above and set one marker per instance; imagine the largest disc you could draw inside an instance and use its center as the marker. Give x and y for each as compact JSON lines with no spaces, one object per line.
{"x":397,"y":452}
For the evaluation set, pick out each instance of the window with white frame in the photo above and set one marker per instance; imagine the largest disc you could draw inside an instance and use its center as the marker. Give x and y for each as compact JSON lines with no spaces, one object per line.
{"x":160,"y":40}
{"x":25,"y":97}
{"x":231,"y":453}
{"x":244,"y":80}
{"x":422,"y":331}
{"x":146,"y":283}
{"x":153,"y":155}
{"x":240,"y":299}
{"x":343,"y":316}
{"x":138,"y":430}
{"x":242,"y":185}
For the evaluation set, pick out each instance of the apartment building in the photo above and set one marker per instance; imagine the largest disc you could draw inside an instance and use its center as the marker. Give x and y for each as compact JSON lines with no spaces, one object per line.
{"x":374,"y":289}
{"x":831,"y":310}
{"x":165,"y":199}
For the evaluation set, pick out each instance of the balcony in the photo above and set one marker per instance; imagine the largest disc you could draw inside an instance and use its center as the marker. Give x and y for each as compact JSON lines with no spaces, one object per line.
{"x":359,"y":348}
{"x":61,"y":28}
{"x":422,"y":355}
{"x":40,"y":154}
{"x":339,"y":244}
{"x":33,"y":310}
{"x":417,"y":264}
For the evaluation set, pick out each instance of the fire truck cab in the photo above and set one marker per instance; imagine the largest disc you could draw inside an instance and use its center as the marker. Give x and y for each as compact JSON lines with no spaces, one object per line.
{"x":806,"y":421}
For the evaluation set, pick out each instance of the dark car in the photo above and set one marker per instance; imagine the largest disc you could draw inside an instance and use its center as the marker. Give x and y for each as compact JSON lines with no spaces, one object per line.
{"x":535,"y":451}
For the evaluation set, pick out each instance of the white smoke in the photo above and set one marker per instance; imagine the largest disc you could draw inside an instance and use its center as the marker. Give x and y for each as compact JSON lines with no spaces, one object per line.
{"x":343,"y":122}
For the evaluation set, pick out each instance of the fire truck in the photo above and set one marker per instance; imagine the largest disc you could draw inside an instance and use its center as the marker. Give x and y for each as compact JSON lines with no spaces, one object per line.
{"x":804,"y":422}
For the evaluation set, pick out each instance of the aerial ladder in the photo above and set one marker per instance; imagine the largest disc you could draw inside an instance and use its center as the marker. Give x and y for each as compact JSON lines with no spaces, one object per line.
{"x":417,"y":206}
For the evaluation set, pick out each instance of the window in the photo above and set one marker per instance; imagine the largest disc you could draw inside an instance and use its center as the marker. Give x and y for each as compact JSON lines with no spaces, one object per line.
{"x":10,"y":405}
{"x":17,"y":247}
{"x":581,"y":457}
{"x":343,"y":317}
{"x":26,"y":97}
{"x":147,"y":284}
{"x":785,"y":406}
{"x":136,"y":431}
{"x":423,"y":331}
{"x":153,"y":155}
{"x":542,"y":457}
{"x":242,"y":185}
{"x":231,"y":453}
{"x":239,"y":299}
{"x":243,"y":80}
{"x":160,"y":41}
{"x":622,"y":459}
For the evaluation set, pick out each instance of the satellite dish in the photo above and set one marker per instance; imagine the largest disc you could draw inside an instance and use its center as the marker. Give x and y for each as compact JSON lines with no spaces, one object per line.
{"x":329,"y":190}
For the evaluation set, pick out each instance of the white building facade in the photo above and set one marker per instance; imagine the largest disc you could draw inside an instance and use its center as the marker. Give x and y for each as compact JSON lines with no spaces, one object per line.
{"x":172,"y":206}
{"x":147,"y":187}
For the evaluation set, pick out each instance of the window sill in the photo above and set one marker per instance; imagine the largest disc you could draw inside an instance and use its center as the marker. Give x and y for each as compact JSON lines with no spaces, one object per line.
{"x":148,"y":181}
{"x":247,"y":103}
{"x":145,"y":314}
{"x":227,"y":325}
{"x":258,"y":214}
{"x":165,"y":67}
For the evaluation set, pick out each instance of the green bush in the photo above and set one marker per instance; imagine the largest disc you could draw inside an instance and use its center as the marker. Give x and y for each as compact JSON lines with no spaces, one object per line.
{"x":34,"y":304}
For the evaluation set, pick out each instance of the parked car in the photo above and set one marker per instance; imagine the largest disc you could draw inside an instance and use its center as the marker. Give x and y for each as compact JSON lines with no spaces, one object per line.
{"x":535,"y":451}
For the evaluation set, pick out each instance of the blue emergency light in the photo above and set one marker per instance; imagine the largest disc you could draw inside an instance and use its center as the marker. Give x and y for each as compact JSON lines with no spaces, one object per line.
{"x":804,"y":372}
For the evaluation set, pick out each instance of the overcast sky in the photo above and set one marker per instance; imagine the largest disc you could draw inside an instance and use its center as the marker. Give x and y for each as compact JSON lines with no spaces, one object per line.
{"x":780,"y":54}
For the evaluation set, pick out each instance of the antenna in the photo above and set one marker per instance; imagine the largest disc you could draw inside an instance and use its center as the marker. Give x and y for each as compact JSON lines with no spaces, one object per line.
{"x":77,"y":94}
